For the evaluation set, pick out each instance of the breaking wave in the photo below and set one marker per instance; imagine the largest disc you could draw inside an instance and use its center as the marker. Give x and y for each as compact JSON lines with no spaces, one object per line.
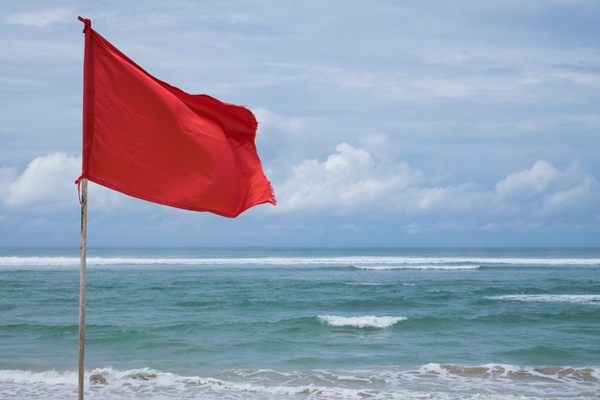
{"x":362,"y":262}
{"x":361,"y":322}
{"x":430,"y":381}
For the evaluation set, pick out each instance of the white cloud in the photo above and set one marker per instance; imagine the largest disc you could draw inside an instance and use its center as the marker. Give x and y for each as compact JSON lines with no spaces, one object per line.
{"x":528,"y":182}
{"x":347,"y":181}
{"x":47,"y":186}
{"x":581,"y":197}
{"x":41,"y":18}
{"x":352,"y":181}
{"x":550,"y":191}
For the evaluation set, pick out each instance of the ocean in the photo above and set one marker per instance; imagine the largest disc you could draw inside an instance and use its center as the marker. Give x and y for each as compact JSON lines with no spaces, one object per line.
{"x":303,"y":323}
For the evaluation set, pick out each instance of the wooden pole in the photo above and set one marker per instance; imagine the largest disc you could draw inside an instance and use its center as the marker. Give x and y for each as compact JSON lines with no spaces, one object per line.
{"x":82,"y":274}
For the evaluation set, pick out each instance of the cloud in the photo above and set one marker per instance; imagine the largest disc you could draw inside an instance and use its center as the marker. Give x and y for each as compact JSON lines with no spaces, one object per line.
{"x":552,"y":191}
{"x":41,"y":18}
{"x":47,"y":186}
{"x":348,"y":181}
{"x":353,"y":182}
{"x":582,"y":197}
{"x":528,"y":182}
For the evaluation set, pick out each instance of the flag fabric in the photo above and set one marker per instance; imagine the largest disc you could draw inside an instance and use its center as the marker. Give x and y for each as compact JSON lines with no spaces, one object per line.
{"x":150,"y":140}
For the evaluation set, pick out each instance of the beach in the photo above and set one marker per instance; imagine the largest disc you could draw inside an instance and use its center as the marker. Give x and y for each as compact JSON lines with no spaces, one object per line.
{"x":303,"y":323}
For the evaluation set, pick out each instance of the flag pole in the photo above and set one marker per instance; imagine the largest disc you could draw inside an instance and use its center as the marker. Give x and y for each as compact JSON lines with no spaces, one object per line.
{"x":82,"y":274}
{"x":87,"y":129}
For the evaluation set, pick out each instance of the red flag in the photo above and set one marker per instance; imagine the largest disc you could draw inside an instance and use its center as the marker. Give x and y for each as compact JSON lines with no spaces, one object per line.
{"x":150,"y":140}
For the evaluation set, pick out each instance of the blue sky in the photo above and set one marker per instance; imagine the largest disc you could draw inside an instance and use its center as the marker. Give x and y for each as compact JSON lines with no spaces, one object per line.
{"x":382,"y":123}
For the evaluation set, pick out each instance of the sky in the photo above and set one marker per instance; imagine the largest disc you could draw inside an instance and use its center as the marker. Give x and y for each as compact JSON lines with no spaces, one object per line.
{"x":381,"y":123}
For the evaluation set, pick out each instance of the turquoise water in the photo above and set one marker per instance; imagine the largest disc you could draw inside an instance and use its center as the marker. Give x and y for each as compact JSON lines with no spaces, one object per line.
{"x":303,"y":323}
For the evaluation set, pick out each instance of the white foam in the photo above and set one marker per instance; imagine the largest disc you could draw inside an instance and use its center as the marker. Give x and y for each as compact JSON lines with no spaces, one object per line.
{"x":426,"y":266}
{"x":357,"y":261}
{"x":552,"y":298}
{"x":431,"y":381}
{"x":361,"y":322}
{"x":51,"y":377}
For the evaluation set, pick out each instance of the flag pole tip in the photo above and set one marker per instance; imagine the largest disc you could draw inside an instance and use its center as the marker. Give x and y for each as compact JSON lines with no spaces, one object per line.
{"x":86,"y":22}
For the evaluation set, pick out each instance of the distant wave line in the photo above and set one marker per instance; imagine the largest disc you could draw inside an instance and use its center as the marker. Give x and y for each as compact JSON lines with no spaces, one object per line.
{"x":356,"y":261}
{"x":430,"y":266}
{"x":552,"y":298}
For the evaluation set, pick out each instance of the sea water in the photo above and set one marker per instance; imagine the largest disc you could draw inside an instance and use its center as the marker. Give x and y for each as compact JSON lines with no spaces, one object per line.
{"x":302,"y":323}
